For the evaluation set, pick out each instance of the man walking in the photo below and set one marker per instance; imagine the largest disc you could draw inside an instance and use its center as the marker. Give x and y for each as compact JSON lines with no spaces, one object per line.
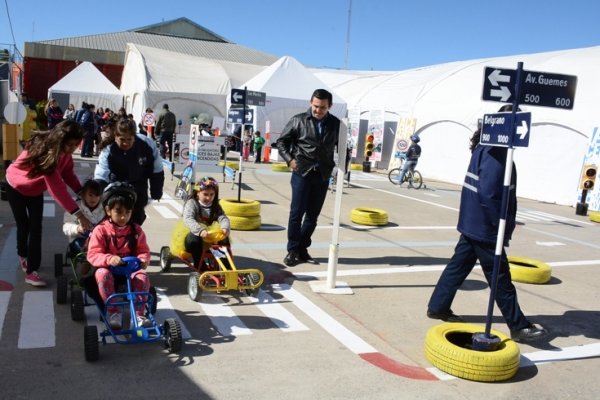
{"x":307,"y":144}
{"x":165,"y":127}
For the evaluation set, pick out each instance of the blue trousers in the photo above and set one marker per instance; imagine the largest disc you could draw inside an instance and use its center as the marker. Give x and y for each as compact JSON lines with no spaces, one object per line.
{"x":465,"y":256}
{"x":308,"y":196}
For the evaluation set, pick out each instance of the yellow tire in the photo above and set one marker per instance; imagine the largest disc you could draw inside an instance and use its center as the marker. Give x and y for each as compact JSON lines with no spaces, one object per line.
{"x":448,"y":347}
{"x":369,"y":216}
{"x":280,"y":167}
{"x":251,"y":223}
{"x":595,"y":216}
{"x":242,"y":208}
{"x":356,"y":167}
{"x":528,"y":270}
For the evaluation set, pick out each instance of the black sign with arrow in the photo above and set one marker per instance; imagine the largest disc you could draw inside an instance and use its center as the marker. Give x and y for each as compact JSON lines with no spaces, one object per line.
{"x":537,"y":88}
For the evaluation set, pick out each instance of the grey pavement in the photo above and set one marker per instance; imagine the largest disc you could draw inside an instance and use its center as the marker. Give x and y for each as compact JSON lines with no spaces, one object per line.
{"x":364,"y":345}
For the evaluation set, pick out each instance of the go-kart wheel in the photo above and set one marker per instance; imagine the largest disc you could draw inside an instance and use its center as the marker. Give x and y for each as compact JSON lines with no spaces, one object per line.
{"x":58,"y":265}
{"x":194,"y":290}
{"x":77,"y":313}
{"x":154,"y":301}
{"x":90,"y":343}
{"x":62,"y":285}
{"x":165,"y":259}
{"x":252,"y":279}
{"x":173,"y":338}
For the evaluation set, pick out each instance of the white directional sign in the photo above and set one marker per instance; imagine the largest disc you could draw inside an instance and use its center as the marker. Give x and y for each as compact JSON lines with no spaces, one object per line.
{"x":536,"y":88}
{"x":497,"y":130}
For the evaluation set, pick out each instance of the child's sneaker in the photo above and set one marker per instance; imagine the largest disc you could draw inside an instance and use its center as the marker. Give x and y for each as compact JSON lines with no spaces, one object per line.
{"x":115,"y":320}
{"x":23,"y":263}
{"x":34,"y":279}
{"x":143,"y":321}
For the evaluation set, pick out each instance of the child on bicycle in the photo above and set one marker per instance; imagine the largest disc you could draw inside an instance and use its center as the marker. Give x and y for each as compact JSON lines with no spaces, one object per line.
{"x":89,"y":204}
{"x":200,"y":211}
{"x":412,"y":157}
{"x":115,"y":237}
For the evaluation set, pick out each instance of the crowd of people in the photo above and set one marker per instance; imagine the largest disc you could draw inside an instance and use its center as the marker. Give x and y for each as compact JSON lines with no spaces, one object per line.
{"x":130,"y":172}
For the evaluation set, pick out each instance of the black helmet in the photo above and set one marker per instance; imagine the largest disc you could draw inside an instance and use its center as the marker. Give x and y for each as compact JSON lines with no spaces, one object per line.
{"x":415,"y":138}
{"x":118,"y":188}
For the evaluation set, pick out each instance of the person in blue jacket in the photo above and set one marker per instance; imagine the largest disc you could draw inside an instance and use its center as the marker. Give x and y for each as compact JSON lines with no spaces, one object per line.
{"x":480,"y":211}
{"x":132,"y":158}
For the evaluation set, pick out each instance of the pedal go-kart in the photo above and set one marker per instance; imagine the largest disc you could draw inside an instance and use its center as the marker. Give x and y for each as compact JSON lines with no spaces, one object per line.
{"x":169,"y":331}
{"x":217,"y":271}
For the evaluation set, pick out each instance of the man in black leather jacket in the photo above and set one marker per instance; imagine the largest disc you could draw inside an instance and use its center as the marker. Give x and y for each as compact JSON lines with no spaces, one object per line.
{"x":307,"y":144}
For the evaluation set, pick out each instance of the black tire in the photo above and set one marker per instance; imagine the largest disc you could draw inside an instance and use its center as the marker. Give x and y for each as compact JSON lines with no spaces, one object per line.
{"x":165,"y":259}
{"x":394,"y":176}
{"x":62,"y":285}
{"x":173,"y":338}
{"x":58,"y":265}
{"x":154,"y":296}
{"x":77,"y":312}
{"x":415,"y":179}
{"x":194,"y":290}
{"x":90,"y":343}
{"x":252,"y":279}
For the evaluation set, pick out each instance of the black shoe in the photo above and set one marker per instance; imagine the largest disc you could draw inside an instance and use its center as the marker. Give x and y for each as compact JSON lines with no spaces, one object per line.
{"x":447,"y":316}
{"x":305,"y":257}
{"x":528,"y":334}
{"x":291,"y":259}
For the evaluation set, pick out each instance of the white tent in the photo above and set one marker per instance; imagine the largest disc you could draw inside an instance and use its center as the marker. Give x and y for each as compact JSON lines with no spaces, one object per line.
{"x":288,"y":86}
{"x":86,"y":83}
{"x":446,"y":101}
{"x":190,"y":85}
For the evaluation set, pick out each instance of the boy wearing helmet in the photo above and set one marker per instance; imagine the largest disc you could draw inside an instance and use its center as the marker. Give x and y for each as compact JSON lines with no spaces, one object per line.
{"x":412,"y":157}
{"x":115,"y":237}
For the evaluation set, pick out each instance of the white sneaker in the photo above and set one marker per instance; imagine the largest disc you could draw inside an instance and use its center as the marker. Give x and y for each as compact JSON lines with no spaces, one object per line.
{"x":115,"y":320}
{"x":143,"y":321}
{"x":34,"y":279}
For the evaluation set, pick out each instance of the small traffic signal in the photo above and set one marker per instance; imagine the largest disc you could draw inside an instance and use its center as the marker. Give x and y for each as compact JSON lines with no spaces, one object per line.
{"x":588,"y":177}
{"x":369,"y":145}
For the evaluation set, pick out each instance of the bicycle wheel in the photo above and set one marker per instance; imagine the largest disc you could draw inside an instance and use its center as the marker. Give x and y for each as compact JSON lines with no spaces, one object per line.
{"x":416,"y":181}
{"x":394,"y":176}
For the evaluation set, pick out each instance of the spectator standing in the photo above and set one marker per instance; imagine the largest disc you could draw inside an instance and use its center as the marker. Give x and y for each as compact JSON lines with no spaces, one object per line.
{"x":478,"y":220}
{"x":134,"y":159}
{"x":259,"y":142}
{"x":307,"y":144}
{"x":165,"y":127}
{"x":45,"y":164}
{"x":69,"y":112}
{"x":87,"y":120}
{"x":54,"y":113}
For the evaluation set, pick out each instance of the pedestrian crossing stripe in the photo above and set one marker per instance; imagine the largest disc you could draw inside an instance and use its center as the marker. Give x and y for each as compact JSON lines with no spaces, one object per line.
{"x":37,"y":329}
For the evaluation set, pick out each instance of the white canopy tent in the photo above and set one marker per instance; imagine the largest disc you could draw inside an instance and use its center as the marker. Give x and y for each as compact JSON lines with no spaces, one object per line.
{"x":86,"y":83}
{"x":446,"y":101}
{"x":288,"y":86}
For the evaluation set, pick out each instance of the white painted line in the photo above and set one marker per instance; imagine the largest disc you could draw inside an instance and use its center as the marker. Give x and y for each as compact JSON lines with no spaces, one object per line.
{"x":49,"y":210}
{"x":164,"y":310}
{"x":37,"y":321}
{"x":166,"y":212}
{"x":558,"y":217}
{"x":573,"y":263}
{"x":431,"y":194}
{"x":4,"y":299}
{"x":549,"y":244}
{"x":177,"y":205}
{"x":374,"y":271}
{"x":285,"y":320}
{"x":393,"y":228}
{"x":564,"y":354}
{"x":353,"y":342}
{"x":222,"y":316}
{"x":407,"y":197}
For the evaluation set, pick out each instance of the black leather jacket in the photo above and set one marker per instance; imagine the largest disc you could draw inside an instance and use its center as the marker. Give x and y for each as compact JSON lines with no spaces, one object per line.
{"x":299,"y":142}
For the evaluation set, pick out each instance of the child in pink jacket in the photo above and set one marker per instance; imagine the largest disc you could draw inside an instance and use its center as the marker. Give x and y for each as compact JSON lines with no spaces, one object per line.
{"x":111,"y":240}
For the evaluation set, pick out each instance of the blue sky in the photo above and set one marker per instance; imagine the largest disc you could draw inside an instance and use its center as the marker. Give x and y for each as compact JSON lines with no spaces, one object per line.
{"x":384,"y":34}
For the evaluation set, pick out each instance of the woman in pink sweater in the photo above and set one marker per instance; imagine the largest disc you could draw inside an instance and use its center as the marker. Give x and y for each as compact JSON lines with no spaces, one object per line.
{"x":45,"y":164}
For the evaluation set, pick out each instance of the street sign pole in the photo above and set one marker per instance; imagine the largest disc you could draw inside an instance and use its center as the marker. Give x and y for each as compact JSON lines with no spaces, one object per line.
{"x":242,"y":143}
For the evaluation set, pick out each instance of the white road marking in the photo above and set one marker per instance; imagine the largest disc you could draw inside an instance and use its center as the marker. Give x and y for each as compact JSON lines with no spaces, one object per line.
{"x":49,"y":210}
{"x":164,"y":310}
{"x":166,"y":212}
{"x":549,"y":244}
{"x":37,"y":328}
{"x":222,"y":316}
{"x":4,"y":299}
{"x":285,"y":320}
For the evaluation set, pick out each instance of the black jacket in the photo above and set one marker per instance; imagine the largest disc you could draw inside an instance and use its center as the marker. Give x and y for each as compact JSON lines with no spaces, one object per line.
{"x":299,"y":142}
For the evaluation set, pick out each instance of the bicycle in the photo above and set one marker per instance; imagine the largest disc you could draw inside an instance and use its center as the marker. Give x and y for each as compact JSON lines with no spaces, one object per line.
{"x":412,"y":176}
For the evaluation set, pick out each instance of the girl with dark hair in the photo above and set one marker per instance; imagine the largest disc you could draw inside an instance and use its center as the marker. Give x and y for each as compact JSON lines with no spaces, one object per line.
{"x":200,"y":211}
{"x":45,"y":164}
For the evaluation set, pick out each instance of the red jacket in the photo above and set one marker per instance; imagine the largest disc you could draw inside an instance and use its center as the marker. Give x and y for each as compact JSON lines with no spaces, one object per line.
{"x":57,"y":183}
{"x":108,"y":239}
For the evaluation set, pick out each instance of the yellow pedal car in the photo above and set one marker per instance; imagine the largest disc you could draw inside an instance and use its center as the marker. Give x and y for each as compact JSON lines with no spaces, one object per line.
{"x":217,"y":271}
